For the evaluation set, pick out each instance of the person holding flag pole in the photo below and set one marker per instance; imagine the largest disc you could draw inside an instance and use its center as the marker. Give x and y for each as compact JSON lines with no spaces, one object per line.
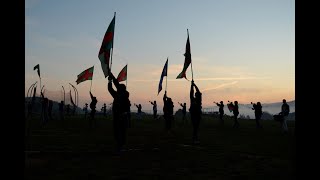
{"x":167,"y":101}
{"x":195,"y":99}
{"x":120,"y":110}
{"x":84,"y":76}
{"x":122,"y":76}
{"x":121,"y":102}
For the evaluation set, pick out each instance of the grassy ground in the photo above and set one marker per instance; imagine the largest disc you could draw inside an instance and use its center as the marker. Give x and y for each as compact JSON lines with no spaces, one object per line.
{"x":71,"y":150}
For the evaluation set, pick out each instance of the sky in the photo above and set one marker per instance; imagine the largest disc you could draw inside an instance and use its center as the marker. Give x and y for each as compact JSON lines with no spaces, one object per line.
{"x":241,"y":50}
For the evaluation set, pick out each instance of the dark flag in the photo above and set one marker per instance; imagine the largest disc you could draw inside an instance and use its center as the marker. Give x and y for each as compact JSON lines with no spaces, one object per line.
{"x":164,"y":73}
{"x":187,"y":60}
{"x":38,"y":69}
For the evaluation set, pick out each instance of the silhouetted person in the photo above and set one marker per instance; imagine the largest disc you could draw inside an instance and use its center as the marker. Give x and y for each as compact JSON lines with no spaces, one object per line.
{"x":184,"y":112}
{"x":104,"y":110}
{"x":195,"y":110}
{"x":285,"y":110}
{"x":139,"y":110}
{"x":50,"y":109}
{"x":85,"y":109}
{"x":257,"y":113}
{"x":44,"y":110}
{"x":167,"y":111}
{"x":154,"y":108}
{"x":61,"y":110}
{"x":221,"y":112}
{"x":235,"y":114}
{"x":93,"y":110}
{"x":120,"y":110}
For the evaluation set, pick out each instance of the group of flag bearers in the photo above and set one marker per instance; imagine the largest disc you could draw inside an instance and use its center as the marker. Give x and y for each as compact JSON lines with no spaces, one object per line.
{"x":121,"y":103}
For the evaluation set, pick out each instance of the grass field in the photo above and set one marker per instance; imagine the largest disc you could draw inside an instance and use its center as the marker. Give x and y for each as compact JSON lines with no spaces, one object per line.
{"x":71,"y":150}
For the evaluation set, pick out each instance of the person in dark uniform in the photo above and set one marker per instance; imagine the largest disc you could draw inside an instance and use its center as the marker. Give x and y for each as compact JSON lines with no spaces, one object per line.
{"x":104,"y":110}
{"x":285,"y":110}
{"x":93,"y":110}
{"x":184,"y":112}
{"x":154,"y":108}
{"x":235,"y":114}
{"x":257,"y":113}
{"x":120,"y":110}
{"x":85,"y":109}
{"x":139,"y":110}
{"x":221,"y":112}
{"x":167,"y":111}
{"x":195,"y":110}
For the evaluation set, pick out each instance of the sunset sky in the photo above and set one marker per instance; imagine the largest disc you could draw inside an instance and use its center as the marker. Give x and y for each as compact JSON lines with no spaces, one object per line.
{"x":241,"y":50}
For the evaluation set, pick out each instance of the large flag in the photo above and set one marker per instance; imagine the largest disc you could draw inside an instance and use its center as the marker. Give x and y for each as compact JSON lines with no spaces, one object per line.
{"x":106,"y":46}
{"x":122,"y":76}
{"x":164,"y":73}
{"x":230,"y":107}
{"x":38,"y":69}
{"x":85,"y":75}
{"x":187,"y":60}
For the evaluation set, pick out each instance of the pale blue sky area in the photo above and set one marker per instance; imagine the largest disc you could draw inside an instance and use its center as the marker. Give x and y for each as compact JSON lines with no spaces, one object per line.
{"x":241,"y":49}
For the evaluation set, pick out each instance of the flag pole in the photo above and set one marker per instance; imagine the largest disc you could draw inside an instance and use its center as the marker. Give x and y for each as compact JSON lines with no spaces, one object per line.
{"x":127,"y":78}
{"x":167,"y":74}
{"x":91,"y":85}
{"x":40,"y":83}
{"x":190,"y":55}
{"x":92,"y":80}
{"x":113,"y":39}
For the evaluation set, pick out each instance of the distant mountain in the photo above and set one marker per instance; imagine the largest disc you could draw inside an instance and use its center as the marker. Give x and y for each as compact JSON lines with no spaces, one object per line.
{"x":268,"y":108}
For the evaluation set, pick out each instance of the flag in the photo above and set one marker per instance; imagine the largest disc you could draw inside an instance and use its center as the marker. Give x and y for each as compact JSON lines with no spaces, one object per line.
{"x":85,"y":75}
{"x":106,"y":46}
{"x":164,"y":73}
{"x":123,"y":74}
{"x":187,"y":60}
{"x":230,"y":107}
{"x":38,"y":69}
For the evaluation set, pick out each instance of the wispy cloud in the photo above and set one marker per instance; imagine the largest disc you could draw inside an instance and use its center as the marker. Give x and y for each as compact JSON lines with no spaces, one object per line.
{"x":220,"y":86}
{"x":208,"y":79}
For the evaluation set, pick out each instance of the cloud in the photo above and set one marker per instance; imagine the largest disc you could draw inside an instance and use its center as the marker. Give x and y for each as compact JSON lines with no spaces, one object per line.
{"x":220,"y":86}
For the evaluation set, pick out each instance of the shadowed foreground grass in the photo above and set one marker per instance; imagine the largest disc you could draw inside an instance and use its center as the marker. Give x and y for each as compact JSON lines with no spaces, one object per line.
{"x":71,"y":150}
